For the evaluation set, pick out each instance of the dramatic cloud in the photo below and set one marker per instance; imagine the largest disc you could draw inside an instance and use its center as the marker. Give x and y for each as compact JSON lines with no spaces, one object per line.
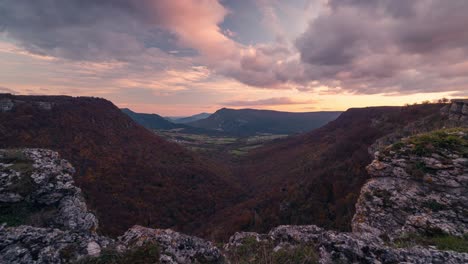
{"x":386,"y":46}
{"x":269,"y":102}
{"x":114,"y":29}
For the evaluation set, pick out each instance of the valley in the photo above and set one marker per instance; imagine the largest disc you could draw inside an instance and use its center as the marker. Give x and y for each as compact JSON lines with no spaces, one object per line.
{"x":211,"y":145}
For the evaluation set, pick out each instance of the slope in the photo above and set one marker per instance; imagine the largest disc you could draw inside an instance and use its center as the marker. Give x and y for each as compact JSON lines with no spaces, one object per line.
{"x":150,"y":121}
{"x":128,"y":175}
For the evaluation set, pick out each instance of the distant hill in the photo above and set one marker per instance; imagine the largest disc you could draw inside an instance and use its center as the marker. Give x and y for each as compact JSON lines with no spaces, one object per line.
{"x":128,"y":174}
{"x":150,"y":121}
{"x":157,"y":122}
{"x":248,"y":122}
{"x":184,"y":120}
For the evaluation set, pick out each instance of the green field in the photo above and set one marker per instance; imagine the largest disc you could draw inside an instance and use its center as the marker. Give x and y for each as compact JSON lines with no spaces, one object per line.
{"x":208,"y":144}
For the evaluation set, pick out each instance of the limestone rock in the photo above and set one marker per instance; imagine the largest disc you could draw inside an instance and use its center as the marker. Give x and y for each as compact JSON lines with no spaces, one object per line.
{"x":336,"y":247}
{"x":426,"y":193}
{"x":175,"y":247}
{"x":54,"y":223}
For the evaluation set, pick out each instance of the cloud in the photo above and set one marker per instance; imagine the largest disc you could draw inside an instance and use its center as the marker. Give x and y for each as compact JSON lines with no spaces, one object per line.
{"x":269,"y":102}
{"x":352,"y":46}
{"x":7,"y":90}
{"x":386,"y":46}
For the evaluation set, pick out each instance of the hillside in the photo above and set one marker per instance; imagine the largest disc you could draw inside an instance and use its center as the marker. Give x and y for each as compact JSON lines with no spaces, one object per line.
{"x":248,"y":122}
{"x":315,"y":178}
{"x":127,"y":173}
{"x":184,"y":120}
{"x":150,"y":121}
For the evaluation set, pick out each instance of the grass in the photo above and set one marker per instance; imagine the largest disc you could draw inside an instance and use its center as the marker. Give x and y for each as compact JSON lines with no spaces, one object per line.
{"x":440,"y":241}
{"x":146,"y":254}
{"x":23,"y":213}
{"x":20,"y":163}
{"x":253,"y":251}
{"x":428,"y":143}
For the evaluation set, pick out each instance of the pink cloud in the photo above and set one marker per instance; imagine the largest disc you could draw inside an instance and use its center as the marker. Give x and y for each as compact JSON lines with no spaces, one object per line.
{"x":196,"y":25}
{"x":269,"y":102}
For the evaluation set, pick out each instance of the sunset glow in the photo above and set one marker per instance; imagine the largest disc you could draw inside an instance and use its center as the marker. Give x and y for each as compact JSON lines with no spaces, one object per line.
{"x":181,"y":57}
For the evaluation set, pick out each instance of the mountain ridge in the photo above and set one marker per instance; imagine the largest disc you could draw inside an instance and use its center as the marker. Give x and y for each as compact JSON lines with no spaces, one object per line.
{"x":247,"y":122}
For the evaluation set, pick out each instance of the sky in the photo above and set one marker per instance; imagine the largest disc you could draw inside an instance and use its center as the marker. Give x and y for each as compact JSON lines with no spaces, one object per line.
{"x":182,"y":57}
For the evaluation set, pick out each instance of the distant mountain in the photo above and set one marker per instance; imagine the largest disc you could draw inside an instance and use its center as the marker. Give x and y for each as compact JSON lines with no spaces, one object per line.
{"x":156,"y":122}
{"x":184,"y":120}
{"x":150,"y":121}
{"x":248,"y":122}
{"x":128,"y":174}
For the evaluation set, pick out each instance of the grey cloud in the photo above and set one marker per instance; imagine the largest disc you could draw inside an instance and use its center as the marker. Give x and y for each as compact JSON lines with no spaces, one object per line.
{"x":385,"y":46}
{"x":80,"y":29}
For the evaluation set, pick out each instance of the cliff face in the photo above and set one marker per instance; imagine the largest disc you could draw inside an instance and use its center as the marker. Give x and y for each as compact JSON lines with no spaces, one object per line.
{"x":457,"y":111}
{"x":418,"y":185}
{"x":45,"y":217}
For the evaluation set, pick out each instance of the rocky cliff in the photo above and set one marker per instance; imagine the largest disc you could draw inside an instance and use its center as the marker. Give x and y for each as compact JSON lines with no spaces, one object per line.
{"x":457,"y":111}
{"x":44,"y":216}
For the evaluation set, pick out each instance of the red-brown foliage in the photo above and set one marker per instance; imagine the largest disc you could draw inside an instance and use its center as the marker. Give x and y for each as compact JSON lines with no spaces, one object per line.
{"x":313,"y":178}
{"x":128,"y":174}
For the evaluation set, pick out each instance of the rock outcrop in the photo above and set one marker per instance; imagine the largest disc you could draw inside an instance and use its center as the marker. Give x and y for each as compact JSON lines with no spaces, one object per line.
{"x":457,"y":111}
{"x":46,"y":218}
{"x":175,"y":247}
{"x":418,"y":185}
{"x":336,"y":247}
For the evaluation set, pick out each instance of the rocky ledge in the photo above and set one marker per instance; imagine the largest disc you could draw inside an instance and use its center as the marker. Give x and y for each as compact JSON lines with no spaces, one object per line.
{"x":418,"y":185}
{"x":412,"y":210}
{"x":44,"y":216}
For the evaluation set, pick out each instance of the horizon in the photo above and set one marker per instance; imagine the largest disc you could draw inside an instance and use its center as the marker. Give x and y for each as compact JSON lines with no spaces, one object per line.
{"x":294,"y":56}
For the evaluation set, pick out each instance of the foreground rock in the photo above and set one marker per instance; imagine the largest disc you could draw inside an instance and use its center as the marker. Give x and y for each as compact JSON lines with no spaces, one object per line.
{"x":336,"y":247}
{"x":419,"y":185}
{"x":175,"y":247}
{"x":46,"y":218}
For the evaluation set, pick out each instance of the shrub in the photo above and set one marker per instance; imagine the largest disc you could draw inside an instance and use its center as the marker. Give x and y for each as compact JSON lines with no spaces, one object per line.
{"x":428,"y":143}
